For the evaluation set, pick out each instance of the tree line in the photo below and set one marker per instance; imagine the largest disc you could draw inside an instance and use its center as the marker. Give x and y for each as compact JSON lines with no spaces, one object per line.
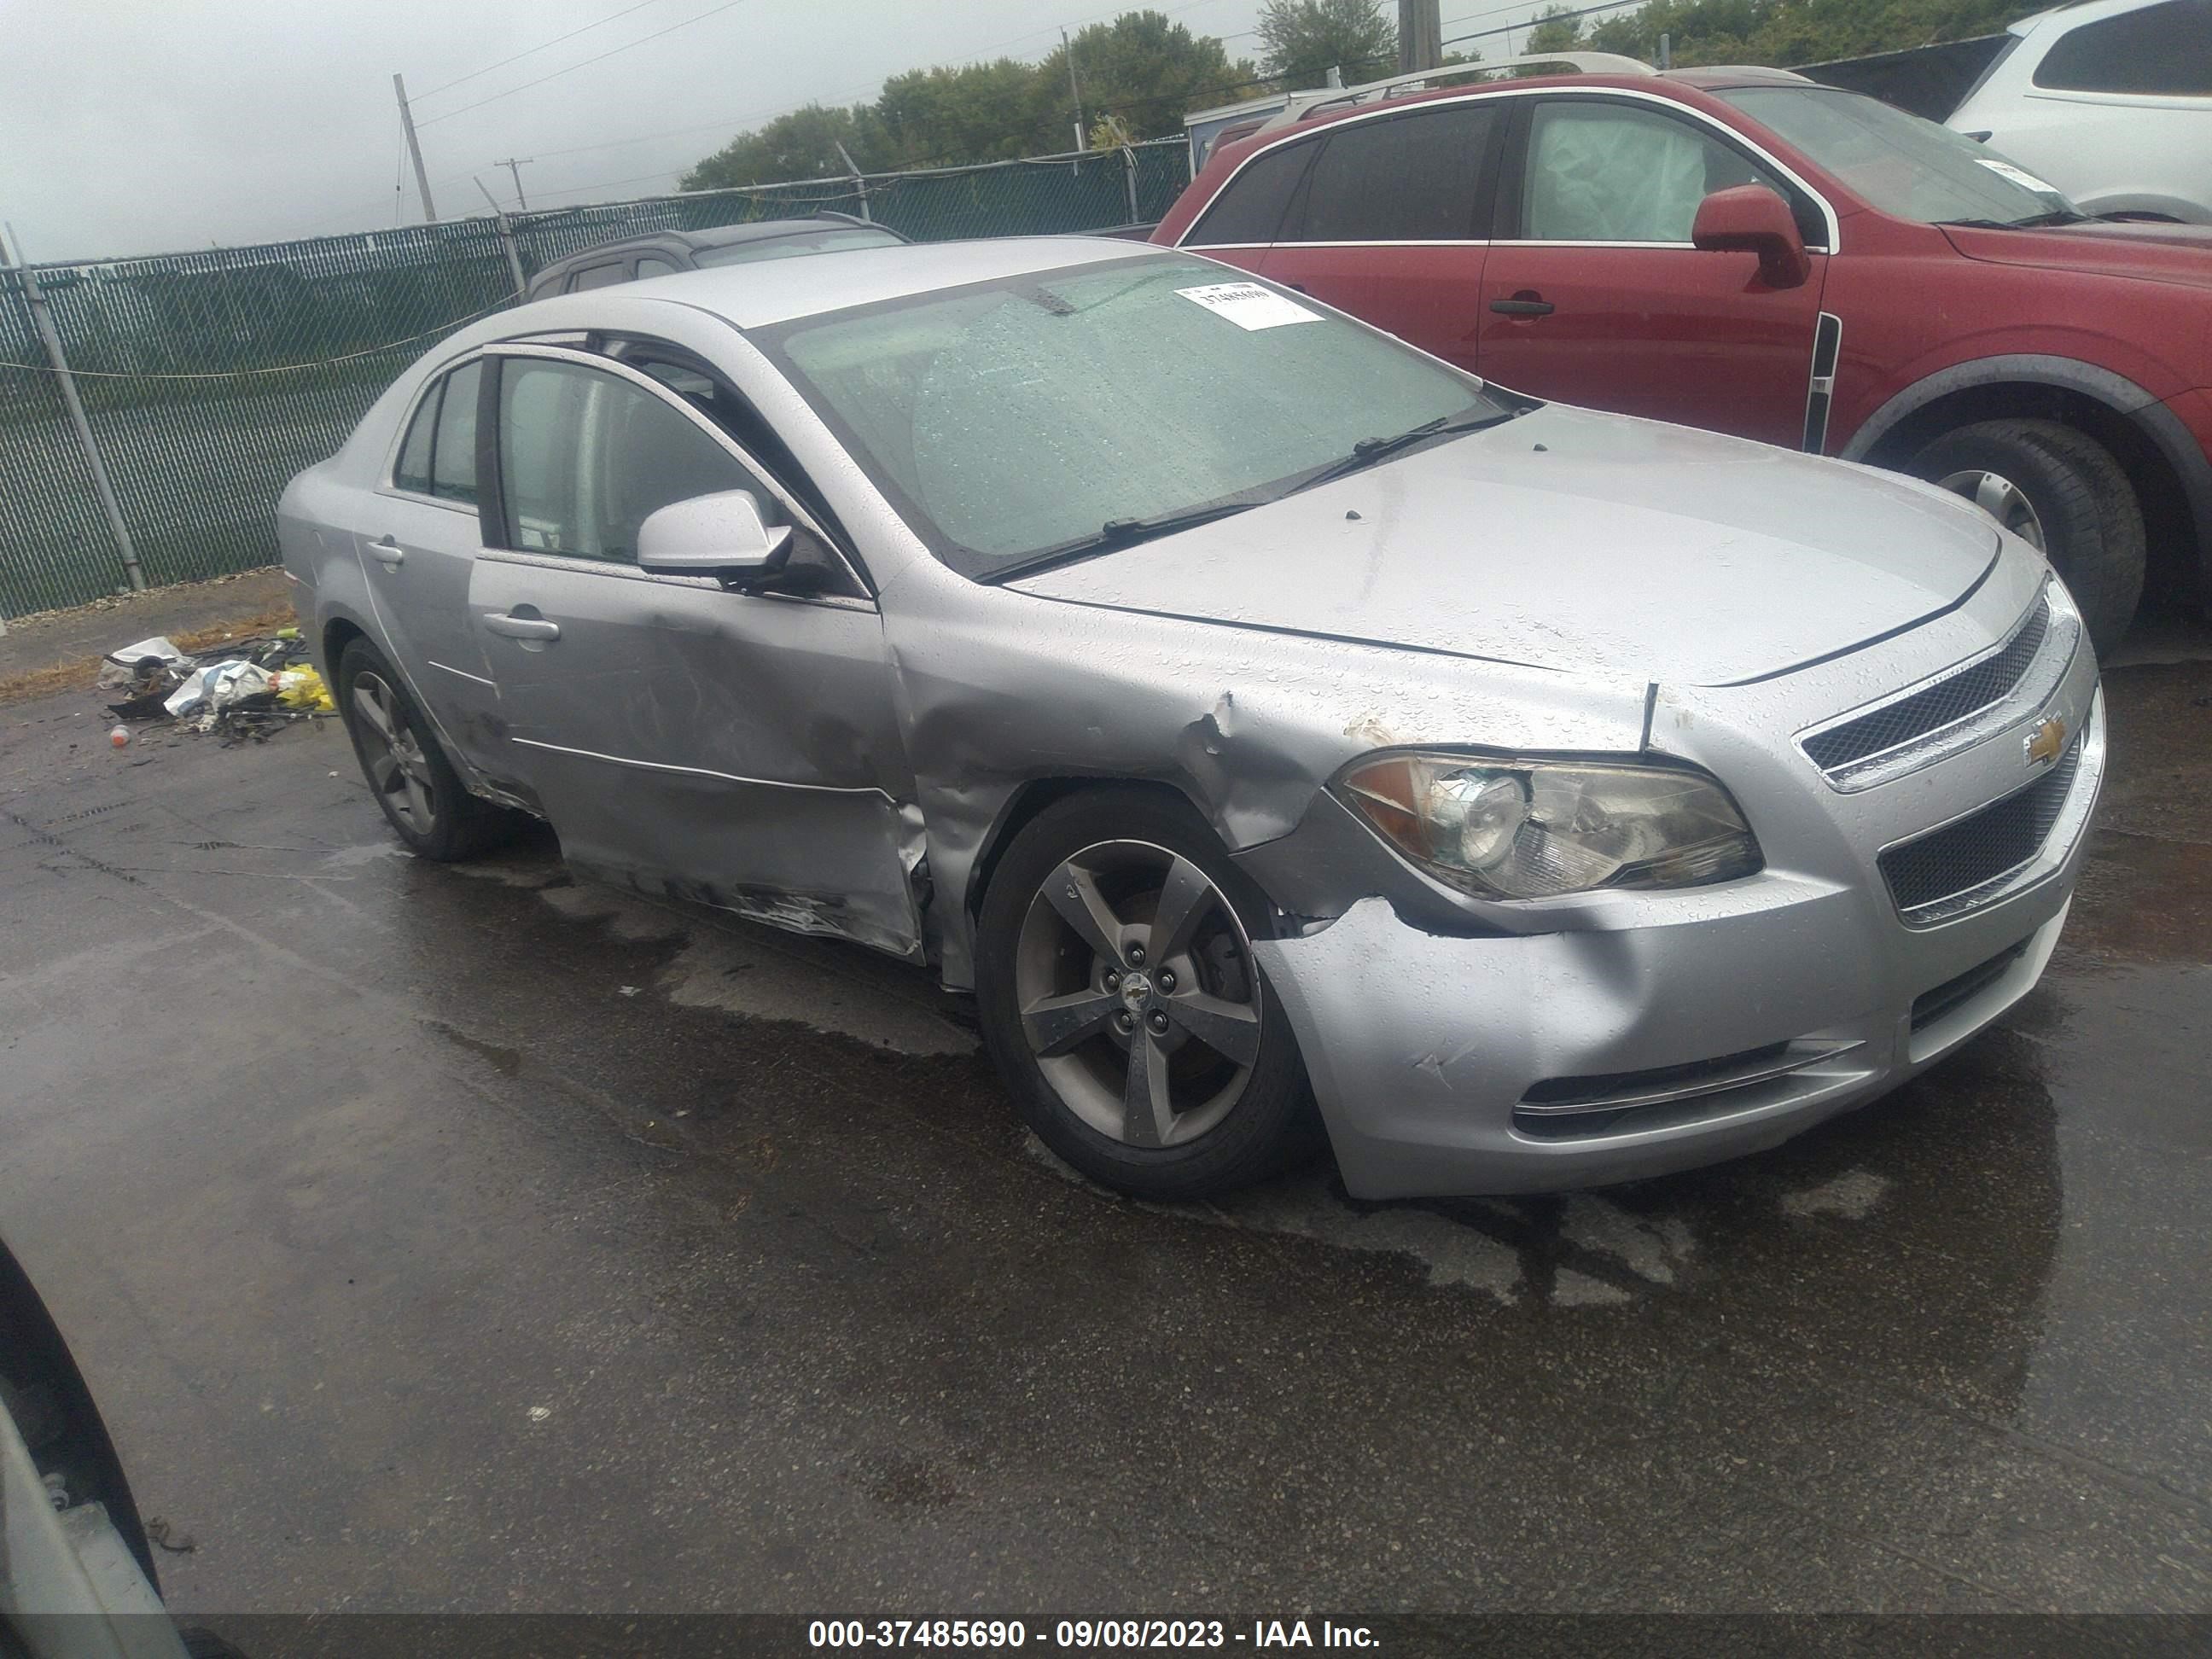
{"x":1783,"y":34}
{"x":1136,"y":77}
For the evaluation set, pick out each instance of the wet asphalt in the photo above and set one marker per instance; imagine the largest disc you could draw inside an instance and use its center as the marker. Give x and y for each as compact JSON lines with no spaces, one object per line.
{"x":468,"y":1239}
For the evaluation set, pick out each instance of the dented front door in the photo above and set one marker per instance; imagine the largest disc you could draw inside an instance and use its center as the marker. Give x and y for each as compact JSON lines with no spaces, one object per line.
{"x":738,"y":748}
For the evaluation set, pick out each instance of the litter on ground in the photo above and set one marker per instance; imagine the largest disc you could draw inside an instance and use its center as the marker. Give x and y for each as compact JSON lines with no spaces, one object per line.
{"x":242,"y":689}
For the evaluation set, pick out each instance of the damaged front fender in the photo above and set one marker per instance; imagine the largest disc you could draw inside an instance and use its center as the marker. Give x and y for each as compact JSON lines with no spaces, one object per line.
{"x":1001,"y":688}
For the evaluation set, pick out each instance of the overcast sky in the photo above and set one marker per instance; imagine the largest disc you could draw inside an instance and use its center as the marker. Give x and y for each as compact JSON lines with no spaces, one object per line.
{"x":144,"y":126}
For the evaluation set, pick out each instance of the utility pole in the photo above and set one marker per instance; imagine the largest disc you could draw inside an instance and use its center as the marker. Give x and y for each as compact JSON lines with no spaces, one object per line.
{"x":860,"y":179}
{"x":1082,"y":132}
{"x":414,"y":150}
{"x":1420,"y":36}
{"x":514,"y":164}
{"x":505,"y":239}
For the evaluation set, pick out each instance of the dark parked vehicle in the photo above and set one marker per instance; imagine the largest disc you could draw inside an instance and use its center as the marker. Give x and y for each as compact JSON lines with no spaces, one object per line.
{"x":76,"y":1571}
{"x":1743,"y":250}
{"x":664,"y":252}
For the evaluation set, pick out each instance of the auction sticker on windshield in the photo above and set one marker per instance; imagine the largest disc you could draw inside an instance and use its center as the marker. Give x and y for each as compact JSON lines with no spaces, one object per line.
{"x":2019,"y":176}
{"x":1247,"y":305}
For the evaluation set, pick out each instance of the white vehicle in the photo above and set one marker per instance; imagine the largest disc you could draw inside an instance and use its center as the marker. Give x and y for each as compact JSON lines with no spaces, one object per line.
{"x":2110,"y":101}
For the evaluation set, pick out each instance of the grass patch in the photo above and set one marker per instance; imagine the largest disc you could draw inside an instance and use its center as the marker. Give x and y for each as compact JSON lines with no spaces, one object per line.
{"x":78,"y":673}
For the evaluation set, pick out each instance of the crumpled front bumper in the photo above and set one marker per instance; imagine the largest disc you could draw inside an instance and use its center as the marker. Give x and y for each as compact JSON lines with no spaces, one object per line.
{"x":1422,"y":1045}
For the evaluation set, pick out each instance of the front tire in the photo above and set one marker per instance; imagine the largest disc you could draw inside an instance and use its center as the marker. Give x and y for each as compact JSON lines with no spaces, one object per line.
{"x":1121,"y":999}
{"x":421,"y":795}
{"x":2062,"y":491}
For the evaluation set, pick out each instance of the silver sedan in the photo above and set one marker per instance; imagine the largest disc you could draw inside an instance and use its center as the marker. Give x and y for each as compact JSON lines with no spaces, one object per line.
{"x":1282,"y":733}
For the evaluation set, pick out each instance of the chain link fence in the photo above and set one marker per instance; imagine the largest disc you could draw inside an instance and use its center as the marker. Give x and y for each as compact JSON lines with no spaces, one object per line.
{"x":207,"y":379}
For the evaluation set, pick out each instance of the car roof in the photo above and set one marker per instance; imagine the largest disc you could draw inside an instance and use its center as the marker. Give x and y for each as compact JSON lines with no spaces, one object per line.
{"x":1327,"y":114}
{"x":753,"y":230}
{"x":1687,"y":85}
{"x":764,"y":230}
{"x":761,"y":295}
{"x":2074,"y":12}
{"x":1712,"y":77}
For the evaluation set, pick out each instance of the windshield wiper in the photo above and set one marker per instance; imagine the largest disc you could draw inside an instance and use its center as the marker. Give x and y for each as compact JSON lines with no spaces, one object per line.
{"x":2034,"y":222}
{"x":1117,"y":533}
{"x":1368,"y":451}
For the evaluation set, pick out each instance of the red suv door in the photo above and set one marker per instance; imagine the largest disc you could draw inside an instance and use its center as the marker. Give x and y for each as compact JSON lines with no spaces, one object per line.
{"x":1378,"y":215}
{"x":1594,"y":294}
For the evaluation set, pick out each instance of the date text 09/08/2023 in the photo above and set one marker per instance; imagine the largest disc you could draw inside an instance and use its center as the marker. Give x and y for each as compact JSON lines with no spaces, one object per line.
{"x":999,"y":1635}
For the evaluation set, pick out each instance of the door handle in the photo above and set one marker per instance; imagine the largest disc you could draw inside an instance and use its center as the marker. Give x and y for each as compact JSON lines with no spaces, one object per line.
{"x":387,"y":552}
{"x":521,"y":628}
{"x":1522,"y":306}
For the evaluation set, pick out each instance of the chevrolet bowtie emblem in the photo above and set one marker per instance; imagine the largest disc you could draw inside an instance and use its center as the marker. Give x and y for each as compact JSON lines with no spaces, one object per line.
{"x":2046,"y":742}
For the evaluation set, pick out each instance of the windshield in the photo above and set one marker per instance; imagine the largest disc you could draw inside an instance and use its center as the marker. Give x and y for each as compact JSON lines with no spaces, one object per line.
{"x":1022,"y":414}
{"x":1901,"y":164}
{"x":786,"y":247}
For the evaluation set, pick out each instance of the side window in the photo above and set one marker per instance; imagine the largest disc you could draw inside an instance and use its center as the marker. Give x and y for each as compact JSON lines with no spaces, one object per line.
{"x":605,"y":275}
{"x":454,"y":462}
{"x":652,"y":264}
{"x":1611,"y":172}
{"x":1404,"y":179}
{"x":585,"y":457}
{"x":412,"y":470}
{"x":1250,"y":209}
{"x":2165,"y":49}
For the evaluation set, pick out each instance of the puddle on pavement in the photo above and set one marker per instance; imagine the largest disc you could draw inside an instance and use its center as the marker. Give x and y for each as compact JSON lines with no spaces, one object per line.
{"x":1919,"y":1238}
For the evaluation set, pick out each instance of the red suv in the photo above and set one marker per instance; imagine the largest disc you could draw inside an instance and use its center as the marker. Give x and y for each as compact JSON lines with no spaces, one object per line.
{"x":1744,"y":249}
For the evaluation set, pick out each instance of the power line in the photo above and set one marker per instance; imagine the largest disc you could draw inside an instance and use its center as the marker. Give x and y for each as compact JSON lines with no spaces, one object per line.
{"x":528,"y":51}
{"x":743,"y":121}
{"x":1556,"y":17}
{"x":611,"y":183}
{"x":831,"y":98}
{"x":728,"y":5}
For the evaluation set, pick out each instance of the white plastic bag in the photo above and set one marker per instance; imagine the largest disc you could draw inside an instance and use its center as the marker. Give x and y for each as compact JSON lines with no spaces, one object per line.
{"x":119,"y":669}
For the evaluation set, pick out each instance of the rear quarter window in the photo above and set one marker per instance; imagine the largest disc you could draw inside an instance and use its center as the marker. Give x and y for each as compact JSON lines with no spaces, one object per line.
{"x":2162,"y":50}
{"x":599,"y":276}
{"x":1250,"y":209}
{"x":412,"y":470}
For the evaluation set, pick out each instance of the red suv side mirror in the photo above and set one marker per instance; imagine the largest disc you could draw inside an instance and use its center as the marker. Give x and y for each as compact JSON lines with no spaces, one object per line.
{"x":1752,"y":219}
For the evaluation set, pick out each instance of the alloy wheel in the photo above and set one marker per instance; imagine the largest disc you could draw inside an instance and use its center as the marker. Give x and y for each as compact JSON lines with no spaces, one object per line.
{"x":392,"y":752}
{"x":1138,"y":994}
{"x":2002,"y":498}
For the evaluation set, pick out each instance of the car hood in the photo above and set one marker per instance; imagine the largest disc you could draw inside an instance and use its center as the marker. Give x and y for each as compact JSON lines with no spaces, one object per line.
{"x":1566,"y":539}
{"x":2153,"y":251}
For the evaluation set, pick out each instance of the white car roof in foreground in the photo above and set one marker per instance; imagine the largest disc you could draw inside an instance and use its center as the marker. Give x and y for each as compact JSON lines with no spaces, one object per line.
{"x":772,"y":291}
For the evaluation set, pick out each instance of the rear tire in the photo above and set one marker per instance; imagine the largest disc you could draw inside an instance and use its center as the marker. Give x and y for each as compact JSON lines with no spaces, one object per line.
{"x":1113,"y":955}
{"x":422,"y":796}
{"x":2079,"y":510}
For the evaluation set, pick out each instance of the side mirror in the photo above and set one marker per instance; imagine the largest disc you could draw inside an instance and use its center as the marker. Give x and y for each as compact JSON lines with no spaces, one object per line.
{"x":1752,"y":219}
{"x":722,"y":535}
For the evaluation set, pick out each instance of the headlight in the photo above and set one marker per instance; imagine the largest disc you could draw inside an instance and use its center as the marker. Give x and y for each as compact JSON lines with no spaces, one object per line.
{"x":1523,"y":830}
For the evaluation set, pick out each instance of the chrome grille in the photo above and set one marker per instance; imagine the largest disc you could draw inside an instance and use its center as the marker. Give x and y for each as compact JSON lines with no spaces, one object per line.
{"x":1948,"y":699}
{"x":1939,"y":874}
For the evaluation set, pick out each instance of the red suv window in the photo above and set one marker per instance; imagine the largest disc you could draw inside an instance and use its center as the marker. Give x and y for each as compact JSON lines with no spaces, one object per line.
{"x":1250,"y":210}
{"x":1410,"y":178}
